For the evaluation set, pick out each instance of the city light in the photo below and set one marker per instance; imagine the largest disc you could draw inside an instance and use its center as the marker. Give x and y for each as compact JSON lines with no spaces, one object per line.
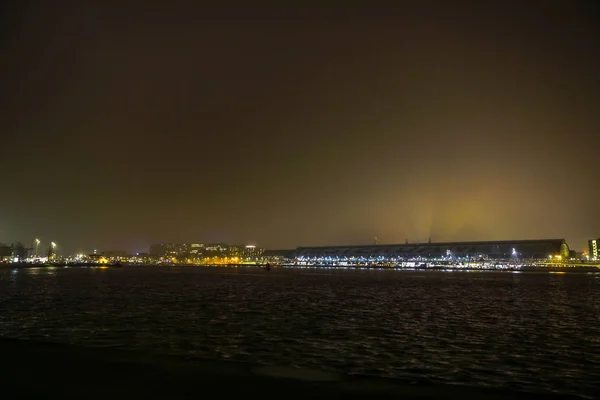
{"x":432,"y":256}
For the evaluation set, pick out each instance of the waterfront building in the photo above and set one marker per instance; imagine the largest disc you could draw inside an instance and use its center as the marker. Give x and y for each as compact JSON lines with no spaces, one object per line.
{"x":196,"y":249}
{"x":594,"y":249}
{"x":217,"y":248}
{"x":5,"y":253}
{"x":236,"y":251}
{"x":251,"y":252}
{"x":169,"y":250}
{"x":556,"y":250}
{"x":501,"y":250}
{"x":16,"y":252}
{"x":115,"y":253}
{"x":278,"y":256}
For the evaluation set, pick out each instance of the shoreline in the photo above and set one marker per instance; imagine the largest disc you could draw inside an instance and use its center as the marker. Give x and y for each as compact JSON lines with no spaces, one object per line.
{"x":70,"y":371}
{"x":524,"y":269}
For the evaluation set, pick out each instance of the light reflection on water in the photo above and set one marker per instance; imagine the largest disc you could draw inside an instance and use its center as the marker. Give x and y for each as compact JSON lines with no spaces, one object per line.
{"x":531,"y":331}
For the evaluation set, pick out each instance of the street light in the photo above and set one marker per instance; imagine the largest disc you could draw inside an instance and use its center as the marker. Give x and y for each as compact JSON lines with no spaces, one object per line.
{"x":51,"y":250}
{"x":37,"y":243}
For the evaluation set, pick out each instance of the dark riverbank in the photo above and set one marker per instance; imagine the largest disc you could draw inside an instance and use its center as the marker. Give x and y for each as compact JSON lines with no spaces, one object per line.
{"x":43,"y":370}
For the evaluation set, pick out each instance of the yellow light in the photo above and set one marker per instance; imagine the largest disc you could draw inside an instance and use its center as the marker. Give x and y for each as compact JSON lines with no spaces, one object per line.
{"x":558,"y":257}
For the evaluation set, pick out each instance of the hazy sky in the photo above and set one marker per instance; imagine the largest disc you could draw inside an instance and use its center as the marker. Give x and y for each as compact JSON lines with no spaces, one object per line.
{"x":138,"y":123}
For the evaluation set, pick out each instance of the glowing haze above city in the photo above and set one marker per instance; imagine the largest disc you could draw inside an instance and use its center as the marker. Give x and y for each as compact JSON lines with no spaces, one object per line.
{"x":281,"y":127}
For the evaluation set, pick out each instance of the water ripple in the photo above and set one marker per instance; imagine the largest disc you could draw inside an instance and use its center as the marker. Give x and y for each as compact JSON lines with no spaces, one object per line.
{"x":533,"y":332}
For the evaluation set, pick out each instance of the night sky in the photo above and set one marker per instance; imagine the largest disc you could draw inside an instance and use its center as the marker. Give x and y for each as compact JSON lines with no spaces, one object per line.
{"x":140,"y":123}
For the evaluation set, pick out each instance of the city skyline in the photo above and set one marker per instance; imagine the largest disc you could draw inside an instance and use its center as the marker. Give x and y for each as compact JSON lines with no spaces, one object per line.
{"x":291,"y":126}
{"x":216,"y":247}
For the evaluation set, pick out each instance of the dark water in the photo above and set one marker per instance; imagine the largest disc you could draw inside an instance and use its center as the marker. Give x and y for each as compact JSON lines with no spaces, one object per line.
{"x":534,"y":332}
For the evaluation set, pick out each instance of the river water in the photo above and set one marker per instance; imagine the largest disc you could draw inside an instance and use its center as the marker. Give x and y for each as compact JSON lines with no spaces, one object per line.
{"x":536,"y":332}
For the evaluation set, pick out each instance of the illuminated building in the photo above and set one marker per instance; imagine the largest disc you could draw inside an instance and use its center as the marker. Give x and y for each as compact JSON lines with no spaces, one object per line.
{"x":278,"y":256}
{"x":236,"y":251}
{"x":251,"y":252}
{"x":115,"y":253}
{"x":98,"y":258}
{"x":215,"y":250}
{"x":5,"y":252}
{"x":13,"y":253}
{"x":196,"y":249}
{"x":509,"y":250}
{"x":594,"y":249}
{"x":219,"y":248}
{"x":169,"y":250}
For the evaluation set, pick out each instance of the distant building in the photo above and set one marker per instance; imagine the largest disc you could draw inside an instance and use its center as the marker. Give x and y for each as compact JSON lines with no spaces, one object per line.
{"x":236,"y":251}
{"x":573,"y":255}
{"x":203,"y":250}
{"x":115,"y":253}
{"x":196,"y":249}
{"x":169,"y":250}
{"x":216,"y":250}
{"x":252,"y":252}
{"x":20,"y":252}
{"x":594,"y":249}
{"x":5,"y":252}
{"x":217,"y":247}
{"x":496,"y":250}
{"x":278,"y":256}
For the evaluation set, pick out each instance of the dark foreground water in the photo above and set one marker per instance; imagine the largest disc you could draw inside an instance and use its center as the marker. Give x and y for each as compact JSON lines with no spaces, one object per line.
{"x":536,"y":332}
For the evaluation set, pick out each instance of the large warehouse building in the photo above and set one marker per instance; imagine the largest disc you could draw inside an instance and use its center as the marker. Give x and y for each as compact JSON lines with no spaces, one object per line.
{"x":489,"y":250}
